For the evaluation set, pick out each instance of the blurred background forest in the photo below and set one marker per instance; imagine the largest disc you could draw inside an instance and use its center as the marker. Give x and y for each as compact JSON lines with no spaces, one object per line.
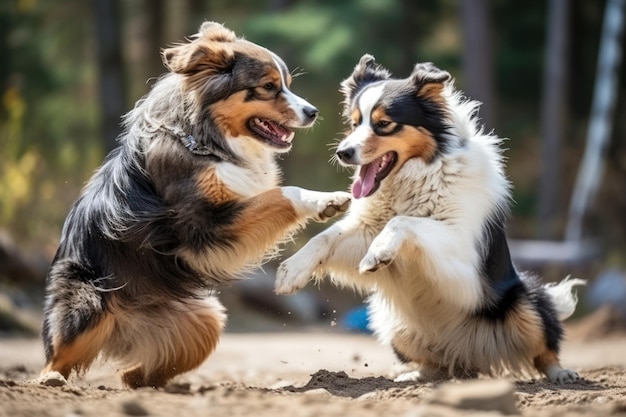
{"x":71,"y":68}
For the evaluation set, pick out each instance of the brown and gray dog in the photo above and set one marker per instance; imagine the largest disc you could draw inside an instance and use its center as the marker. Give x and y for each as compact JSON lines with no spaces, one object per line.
{"x":188,"y":201}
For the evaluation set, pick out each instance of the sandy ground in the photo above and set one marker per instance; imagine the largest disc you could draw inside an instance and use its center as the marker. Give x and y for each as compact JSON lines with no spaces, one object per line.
{"x":301,"y":374}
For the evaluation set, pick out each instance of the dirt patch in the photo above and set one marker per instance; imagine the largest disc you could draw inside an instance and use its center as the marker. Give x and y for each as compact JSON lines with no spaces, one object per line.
{"x":301,"y":375}
{"x":341,"y":385}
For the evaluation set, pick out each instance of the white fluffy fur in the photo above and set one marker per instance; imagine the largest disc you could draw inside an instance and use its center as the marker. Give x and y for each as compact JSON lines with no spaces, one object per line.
{"x":416,"y":244}
{"x":562,"y":296}
{"x":444,"y":200}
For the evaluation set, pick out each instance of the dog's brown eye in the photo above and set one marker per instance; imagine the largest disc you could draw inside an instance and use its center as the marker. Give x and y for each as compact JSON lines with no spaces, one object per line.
{"x":354,"y":125}
{"x":269,"y":86}
{"x":383,"y":124}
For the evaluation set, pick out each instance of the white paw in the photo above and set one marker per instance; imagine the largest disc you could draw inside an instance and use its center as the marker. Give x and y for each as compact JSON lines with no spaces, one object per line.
{"x":317,"y":205}
{"x":50,"y":379}
{"x":377,"y":257}
{"x":384,"y":249}
{"x":413,"y":376}
{"x":372,"y":262}
{"x":332,"y":204}
{"x":291,"y":276}
{"x":562,"y":376}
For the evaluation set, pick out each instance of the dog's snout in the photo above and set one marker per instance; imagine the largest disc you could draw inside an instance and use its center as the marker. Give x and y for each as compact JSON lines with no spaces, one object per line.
{"x":310,"y":112}
{"x":346,"y":154}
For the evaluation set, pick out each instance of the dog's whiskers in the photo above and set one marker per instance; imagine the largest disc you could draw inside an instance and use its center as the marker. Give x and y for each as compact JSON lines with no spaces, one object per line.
{"x":297,"y":71}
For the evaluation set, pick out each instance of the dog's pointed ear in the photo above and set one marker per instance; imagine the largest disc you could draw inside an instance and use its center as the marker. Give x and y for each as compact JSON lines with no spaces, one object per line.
{"x":208,"y":51}
{"x":429,"y":80}
{"x":366,"y":72}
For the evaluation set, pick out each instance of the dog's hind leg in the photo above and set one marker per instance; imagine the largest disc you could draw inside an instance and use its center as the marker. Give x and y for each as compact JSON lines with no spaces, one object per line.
{"x":76,"y":324}
{"x":176,"y":338}
{"x":547,"y":363}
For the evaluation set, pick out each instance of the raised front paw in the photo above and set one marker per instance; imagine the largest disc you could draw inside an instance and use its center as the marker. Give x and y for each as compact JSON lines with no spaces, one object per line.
{"x":332,"y":204}
{"x":317,"y":205}
{"x":291,"y":276}
{"x":372,"y":262}
{"x":380,"y":254}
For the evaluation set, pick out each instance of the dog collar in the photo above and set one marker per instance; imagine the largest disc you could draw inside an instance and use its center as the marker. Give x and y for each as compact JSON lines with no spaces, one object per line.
{"x":190,"y":142}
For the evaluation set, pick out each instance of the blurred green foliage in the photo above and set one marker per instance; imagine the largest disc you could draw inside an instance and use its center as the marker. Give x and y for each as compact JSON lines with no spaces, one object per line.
{"x":48,"y":115}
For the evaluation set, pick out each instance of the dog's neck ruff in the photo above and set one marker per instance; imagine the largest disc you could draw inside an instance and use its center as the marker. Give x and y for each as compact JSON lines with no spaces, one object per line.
{"x":192,"y":145}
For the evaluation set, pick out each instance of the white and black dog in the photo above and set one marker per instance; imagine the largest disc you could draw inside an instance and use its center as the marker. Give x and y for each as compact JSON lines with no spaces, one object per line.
{"x":425,"y":235}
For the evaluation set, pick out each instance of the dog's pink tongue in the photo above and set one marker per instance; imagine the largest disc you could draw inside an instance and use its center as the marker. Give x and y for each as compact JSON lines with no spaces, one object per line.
{"x":364,"y":184}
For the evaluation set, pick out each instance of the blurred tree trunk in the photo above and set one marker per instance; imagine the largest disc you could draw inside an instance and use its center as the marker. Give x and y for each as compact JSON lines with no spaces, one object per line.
{"x":197,"y":12}
{"x":477,"y":62}
{"x":110,"y":68}
{"x":601,"y":120}
{"x":553,"y":115}
{"x":20,"y":268}
{"x":150,"y":26}
{"x":155,"y":29}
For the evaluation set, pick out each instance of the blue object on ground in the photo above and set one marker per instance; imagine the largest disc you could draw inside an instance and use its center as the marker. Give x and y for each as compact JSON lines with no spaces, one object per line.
{"x":357,"y":320}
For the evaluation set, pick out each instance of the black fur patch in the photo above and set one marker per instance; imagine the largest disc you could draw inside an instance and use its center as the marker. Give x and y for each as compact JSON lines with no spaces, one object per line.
{"x":505,"y":288}
{"x":366,"y":72}
{"x":404,"y":106}
{"x":71,"y":293}
{"x":552,"y":328}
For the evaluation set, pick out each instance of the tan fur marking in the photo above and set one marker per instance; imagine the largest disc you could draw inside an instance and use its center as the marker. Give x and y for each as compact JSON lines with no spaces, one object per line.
{"x":272,"y":76}
{"x":213,"y":188}
{"x":432,"y":92}
{"x":268,"y":217}
{"x":201,"y":334}
{"x":208,"y":55}
{"x":80,"y":353}
{"x":379,"y":114}
{"x":410,"y":142}
{"x":355,"y":117}
{"x":546,"y":360}
{"x":198,"y":61}
{"x":416,"y":143}
{"x":233,"y":113}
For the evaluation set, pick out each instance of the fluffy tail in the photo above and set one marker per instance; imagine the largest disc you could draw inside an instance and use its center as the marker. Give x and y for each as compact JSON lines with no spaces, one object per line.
{"x":562,"y":296}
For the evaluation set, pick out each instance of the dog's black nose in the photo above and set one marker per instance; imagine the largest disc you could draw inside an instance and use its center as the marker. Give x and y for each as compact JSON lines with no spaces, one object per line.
{"x":310,"y":112}
{"x":346,"y":155}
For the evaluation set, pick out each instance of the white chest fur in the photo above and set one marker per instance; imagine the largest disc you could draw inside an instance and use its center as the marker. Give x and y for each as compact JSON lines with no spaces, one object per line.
{"x":258,"y":174}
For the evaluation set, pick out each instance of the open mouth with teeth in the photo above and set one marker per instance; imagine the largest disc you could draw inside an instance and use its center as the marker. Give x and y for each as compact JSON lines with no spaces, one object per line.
{"x":271,"y":132}
{"x":370,"y":175}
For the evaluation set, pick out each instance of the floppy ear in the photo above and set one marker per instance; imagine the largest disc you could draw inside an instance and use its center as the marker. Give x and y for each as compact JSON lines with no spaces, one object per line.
{"x":207,"y":61}
{"x":190,"y":58}
{"x":429,"y":80}
{"x":195,"y":56}
{"x":366,"y":72}
{"x":216,"y":32}
{"x":208,"y":69}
